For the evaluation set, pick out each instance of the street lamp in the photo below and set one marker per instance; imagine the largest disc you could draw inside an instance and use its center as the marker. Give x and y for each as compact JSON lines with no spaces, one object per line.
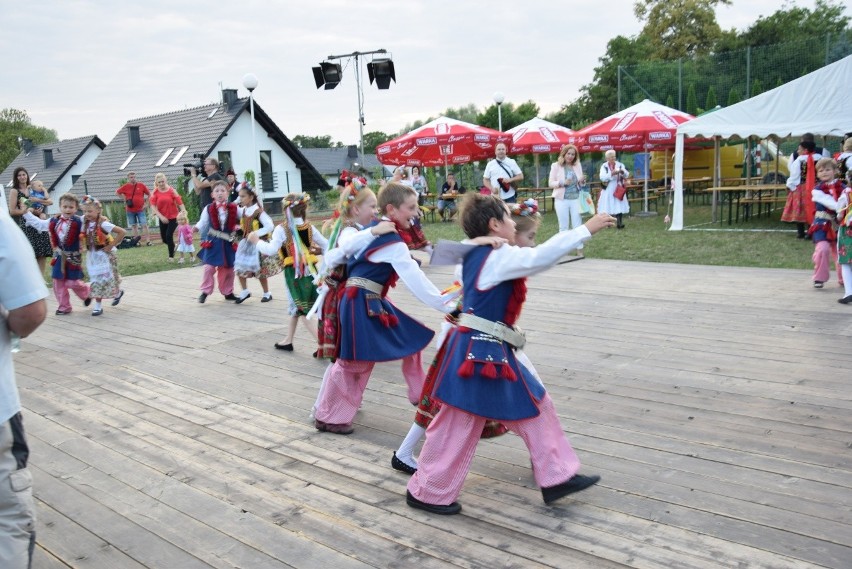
{"x":380,"y":70}
{"x":499,"y":98}
{"x":250,"y":83}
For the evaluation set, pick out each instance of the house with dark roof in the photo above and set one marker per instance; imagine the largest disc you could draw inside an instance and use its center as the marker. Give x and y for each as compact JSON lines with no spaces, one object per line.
{"x":330,"y":162}
{"x":57,"y":164}
{"x":167,"y":142}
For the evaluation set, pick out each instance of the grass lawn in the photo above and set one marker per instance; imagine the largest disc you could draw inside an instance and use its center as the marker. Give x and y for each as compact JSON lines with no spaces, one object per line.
{"x":762,"y":242}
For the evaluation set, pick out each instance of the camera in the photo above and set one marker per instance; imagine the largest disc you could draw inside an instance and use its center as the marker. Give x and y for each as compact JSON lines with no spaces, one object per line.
{"x":198,"y":164}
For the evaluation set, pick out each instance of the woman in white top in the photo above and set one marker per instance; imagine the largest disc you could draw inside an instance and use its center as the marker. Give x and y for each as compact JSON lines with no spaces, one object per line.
{"x":566,"y":178}
{"x":611,"y":173}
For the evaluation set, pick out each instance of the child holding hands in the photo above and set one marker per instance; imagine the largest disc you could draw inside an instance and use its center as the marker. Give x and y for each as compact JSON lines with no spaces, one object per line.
{"x":479,"y":379}
{"x":219,"y":222}
{"x":100,"y":237}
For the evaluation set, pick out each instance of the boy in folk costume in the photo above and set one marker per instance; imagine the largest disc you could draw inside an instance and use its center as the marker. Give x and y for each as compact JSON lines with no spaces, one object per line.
{"x":219,"y":222}
{"x":479,"y":377}
{"x":372,"y":329}
{"x":64,"y":230}
{"x":823,"y":229}
{"x":297,"y":243}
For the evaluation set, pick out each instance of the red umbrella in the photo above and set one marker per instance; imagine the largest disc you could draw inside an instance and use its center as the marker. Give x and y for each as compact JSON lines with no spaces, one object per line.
{"x":441,"y":142}
{"x":538,"y":136}
{"x":641,"y":127}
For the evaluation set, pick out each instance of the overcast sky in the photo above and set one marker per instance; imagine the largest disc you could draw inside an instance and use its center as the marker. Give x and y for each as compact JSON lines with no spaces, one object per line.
{"x":87,"y":67}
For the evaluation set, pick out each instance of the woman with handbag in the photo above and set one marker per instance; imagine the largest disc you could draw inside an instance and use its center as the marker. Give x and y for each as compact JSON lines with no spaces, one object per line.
{"x":166,"y":203}
{"x":613,"y":198}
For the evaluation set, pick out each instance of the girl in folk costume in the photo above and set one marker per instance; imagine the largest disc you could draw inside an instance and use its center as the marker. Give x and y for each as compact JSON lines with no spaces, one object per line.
{"x":99,"y":238}
{"x":249,"y":262}
{"x":799,"y":208}
{"x":527,"y":221}
{"x":219,"y":223}
{"x":844,"y":239}
{"x":353,"y":229}
{"x":297,"y":244}
{"x":372,"y":329}
{"x":479,"y":378}
{"x":64,"y":230}
{"x":823,"y":230}
{"x":184,"y":238}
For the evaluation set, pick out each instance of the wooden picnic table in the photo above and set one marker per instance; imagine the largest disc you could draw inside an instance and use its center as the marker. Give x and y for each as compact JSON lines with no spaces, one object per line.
{"x":760,"y":194}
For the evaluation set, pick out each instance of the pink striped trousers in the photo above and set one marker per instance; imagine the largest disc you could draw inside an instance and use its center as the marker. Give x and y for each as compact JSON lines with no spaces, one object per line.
{"x":347,"y":379}
{"x":824,"y":252}
{"x":224,"y":276}
{"x":451,"y":441}
{"x":62,"y":290}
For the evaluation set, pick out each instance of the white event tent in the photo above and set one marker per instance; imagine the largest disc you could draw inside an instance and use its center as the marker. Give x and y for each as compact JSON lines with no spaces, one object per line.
{"x":819,"y":103}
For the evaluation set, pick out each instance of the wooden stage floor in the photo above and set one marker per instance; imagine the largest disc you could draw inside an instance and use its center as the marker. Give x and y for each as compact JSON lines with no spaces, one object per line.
{"x":714,"y":402}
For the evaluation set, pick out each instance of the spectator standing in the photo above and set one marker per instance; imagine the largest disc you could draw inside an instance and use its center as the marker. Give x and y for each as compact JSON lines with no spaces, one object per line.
{"x":203,"y":188}
{"x":22,"y":310}
{"x":135,"y":196}
{"x":166,"y":203}
{"x":566,"y":178}
{"x":502,"y":175}
{"x":612,"y":172}
{"x":18,"y":196}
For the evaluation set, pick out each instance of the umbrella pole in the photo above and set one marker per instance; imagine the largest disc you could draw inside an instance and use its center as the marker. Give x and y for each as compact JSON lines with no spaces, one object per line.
{"x":535,"y":157}
{"x":645,"y":174}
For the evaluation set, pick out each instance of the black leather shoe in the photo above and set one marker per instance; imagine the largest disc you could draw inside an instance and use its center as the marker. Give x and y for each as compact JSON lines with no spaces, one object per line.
{"x":401,"y":466}
{"x":242,"y":299}
{"x":285,"y":347}
{"x":266,"y":298}
{"x":231,"y":296}
{"x":575,"y":484}
{"x":448,"y":510}
{"x":202,"y":297}
{"x":87,"y":302}
{"x":333,"y":428}
{"x":117,"y":299}
{"x":845,"y":299}
{"x":62,"y":312}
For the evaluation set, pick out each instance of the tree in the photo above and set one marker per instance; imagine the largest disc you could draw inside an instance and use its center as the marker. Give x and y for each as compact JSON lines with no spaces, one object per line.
{"x":304,"y":141}
{"x":691,"y":100}
{"x":679,"y":28}
{"x":733,"y":96}
{"x":710,"y":103}
{"x":756,"y":88}
{"x":373,"y":139}
{"x":15,"y":123}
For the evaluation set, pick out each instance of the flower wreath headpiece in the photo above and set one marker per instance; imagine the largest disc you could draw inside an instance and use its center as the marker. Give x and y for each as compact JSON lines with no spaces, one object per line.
{"x":302,"y":199}
{"x":89,"y":200}
{"x":529,"y":208}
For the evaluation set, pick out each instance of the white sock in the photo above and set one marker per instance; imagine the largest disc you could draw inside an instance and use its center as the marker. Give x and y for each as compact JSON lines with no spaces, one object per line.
{"x":244,"y":293}
{"x":97,"y":305}
{"x":267,"y":295}
{"x":405,"y":452}
{"x":846,"y":271}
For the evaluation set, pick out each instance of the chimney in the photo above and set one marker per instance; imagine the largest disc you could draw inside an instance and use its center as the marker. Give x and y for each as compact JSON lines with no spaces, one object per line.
{"x":133,"y":136}
{"x":229,"y":97}
{"x":353,"y":151}
{"x":26,"y":145}
{"x":48,"y":157}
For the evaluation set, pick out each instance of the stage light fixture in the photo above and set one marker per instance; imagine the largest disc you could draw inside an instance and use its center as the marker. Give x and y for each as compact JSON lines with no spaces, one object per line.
{"x":328,"y":74}
{"x":382,"y":71}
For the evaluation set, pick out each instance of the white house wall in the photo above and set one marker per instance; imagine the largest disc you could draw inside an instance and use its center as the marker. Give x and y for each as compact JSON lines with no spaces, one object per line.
{"x":79,"y":168}
{"x":239,"y":143}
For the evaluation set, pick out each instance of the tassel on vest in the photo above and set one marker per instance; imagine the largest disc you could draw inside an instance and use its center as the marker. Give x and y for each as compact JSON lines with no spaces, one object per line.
{"x":489,"y":371}
{"x":509,"y":373}
{"x":467,"y":369}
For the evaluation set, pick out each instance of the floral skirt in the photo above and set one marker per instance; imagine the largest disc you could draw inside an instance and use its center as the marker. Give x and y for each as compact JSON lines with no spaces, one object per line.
{"x":794,"y":209}
{"x":329,"y":327}
{"x":107,"y":285}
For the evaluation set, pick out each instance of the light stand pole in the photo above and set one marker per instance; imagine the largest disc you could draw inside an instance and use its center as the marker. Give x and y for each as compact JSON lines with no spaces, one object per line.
{"x":250,"y":83}
{"x":357,"y":55}
{"x":499,"y":98}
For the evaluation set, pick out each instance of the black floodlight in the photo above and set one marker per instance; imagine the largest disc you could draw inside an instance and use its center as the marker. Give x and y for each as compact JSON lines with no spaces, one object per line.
{"x":328,"y":74}
{"x":381,"y":70}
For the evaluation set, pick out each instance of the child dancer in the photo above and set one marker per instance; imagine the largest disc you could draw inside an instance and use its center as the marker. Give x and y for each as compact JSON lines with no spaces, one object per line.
{"x":479,"y":377}
{"x":101,"y":262}
{"x":844,"y":239}
{"x":184,"y":233}
{"x":297,"y":243}
{"x":219,"y":222}
{"x":527,"y":220}
{"x":372,"y":329}
{"x":823,"y":228}
{"x":64,"y":230}
{"x":251,"y":263}
{"x":352,"y":231}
